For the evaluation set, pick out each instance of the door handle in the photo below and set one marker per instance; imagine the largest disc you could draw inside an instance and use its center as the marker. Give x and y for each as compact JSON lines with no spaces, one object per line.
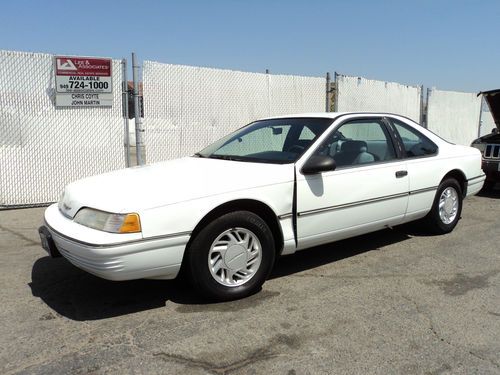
{"x":400,"y":174}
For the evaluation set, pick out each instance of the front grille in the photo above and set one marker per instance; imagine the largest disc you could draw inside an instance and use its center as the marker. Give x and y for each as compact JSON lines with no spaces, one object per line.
{"x":492,"y":152}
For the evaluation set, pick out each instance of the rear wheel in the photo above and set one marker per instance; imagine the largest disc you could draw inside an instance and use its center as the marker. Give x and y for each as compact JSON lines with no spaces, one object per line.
{"x":446,"y":209}
{"x":231,"y":257}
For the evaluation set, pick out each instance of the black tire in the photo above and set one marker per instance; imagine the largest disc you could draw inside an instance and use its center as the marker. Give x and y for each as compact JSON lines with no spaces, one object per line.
{"x":197,"y":256}
{"x":433,"y":220}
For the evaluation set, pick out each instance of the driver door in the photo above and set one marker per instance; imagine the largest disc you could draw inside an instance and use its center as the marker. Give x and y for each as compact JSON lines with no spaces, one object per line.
{"x":367,"y":191}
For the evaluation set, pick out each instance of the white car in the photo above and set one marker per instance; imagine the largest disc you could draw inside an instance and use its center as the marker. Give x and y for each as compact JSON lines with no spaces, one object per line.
{"x":271,"y":188}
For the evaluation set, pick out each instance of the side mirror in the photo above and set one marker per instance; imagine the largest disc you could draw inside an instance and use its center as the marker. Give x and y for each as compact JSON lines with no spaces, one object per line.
{"x":494,"y":131}
{"x":318,"y":164}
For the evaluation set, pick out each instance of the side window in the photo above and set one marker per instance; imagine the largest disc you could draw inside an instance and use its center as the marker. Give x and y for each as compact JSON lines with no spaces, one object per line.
{"x":359,"y":142}
{"x":415,"y":143}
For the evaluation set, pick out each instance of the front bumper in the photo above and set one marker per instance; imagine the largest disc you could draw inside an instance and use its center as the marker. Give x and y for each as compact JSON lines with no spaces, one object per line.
{"x":492,"y":169}
{"x":156,"y":258}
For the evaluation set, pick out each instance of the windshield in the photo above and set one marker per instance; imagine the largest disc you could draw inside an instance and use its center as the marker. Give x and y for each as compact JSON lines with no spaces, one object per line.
{"x":269,"y":141}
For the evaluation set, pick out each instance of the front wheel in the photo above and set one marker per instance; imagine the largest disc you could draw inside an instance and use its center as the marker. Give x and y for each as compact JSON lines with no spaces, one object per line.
{"x":231,"y":257}
{"x":446,"y":209}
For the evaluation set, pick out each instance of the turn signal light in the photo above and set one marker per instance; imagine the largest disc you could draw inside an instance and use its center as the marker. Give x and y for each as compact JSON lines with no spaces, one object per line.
{"x":131,"y":224}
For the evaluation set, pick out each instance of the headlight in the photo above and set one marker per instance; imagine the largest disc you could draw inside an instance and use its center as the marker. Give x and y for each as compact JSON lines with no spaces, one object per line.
{"x":108,"y":222}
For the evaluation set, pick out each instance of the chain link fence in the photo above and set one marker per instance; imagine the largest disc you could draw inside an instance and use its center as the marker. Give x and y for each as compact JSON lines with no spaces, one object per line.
{"x":43,"y":148}
{"x":454,"y":116}
{"x":186,"y":108}
{"x":359,"y":94}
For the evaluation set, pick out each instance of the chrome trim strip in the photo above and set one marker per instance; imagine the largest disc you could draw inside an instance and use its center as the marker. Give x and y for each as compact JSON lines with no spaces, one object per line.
{"x":367,"y":201}
{"x":475,"y":178}
{"x":424,"y":190}
{"x":116,"y":244}
{"x":285,"y":216}
{"x":353,"y":204}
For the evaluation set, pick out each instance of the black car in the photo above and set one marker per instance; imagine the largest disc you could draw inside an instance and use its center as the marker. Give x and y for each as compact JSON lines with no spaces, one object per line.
{"x":489,"y":144}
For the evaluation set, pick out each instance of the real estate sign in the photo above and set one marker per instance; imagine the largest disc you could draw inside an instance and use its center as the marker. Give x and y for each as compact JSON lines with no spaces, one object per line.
{"x":83,"y":81}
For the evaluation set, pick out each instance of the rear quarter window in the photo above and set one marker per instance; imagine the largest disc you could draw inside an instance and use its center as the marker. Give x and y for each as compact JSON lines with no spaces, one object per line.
{"x":415,"y":143}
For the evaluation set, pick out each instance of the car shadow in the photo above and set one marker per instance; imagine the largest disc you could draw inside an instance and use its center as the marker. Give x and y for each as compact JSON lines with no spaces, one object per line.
{"x":333,"y":252}
{"x":80,"y":296}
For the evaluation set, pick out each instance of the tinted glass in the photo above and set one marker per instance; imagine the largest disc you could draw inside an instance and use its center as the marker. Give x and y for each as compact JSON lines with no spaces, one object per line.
{"x":415,"y":143}
{"x":269,"y":141}
{"x":359,"y":142}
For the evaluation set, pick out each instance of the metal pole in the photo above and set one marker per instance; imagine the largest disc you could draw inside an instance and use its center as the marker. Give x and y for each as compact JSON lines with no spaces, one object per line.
{"x":427,"y":109}
{"x":125,"y":111}
{"x":336,"y":93}
{"x":328,"y":91}
{"x":137,"y":112}
{"x":422,"y":105}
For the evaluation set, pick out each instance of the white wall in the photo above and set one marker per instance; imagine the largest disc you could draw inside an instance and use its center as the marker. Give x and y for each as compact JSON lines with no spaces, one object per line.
{"x":454,"y":116}
{"x":367,"y":95}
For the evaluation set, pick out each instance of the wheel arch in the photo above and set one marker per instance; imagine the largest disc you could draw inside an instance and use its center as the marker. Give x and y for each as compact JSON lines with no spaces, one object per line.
{"x":459,"y":176}
{"x":257,"y":207}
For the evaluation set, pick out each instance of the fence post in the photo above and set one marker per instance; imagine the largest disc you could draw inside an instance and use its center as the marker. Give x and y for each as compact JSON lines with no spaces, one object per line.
{"x":137,"y":112}
{"x":125,"y":111}
{"x":328,"y":91}
{"x":336,"y":93}
{"x":422,"y":105}
{"x":427,"y":108}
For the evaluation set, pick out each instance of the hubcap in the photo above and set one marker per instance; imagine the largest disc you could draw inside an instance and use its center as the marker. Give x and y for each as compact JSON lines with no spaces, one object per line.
{"x":448,"y":205}
{"x":234,"y":257}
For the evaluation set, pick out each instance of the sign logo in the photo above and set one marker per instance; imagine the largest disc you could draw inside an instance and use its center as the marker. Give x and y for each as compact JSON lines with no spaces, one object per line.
{"x":65,"y":64}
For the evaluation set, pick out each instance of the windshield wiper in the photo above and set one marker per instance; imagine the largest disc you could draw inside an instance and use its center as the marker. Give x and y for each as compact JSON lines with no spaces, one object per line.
{"x":199,"y":155}
{"x":227,"y":157}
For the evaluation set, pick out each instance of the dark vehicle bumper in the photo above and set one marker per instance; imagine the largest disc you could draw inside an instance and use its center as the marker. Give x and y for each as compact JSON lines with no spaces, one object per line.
{"x":48,"y":242}
{"x":491,"y":169}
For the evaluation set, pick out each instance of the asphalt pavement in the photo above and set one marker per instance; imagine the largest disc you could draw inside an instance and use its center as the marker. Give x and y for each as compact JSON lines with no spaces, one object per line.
{"x":392,"y":302}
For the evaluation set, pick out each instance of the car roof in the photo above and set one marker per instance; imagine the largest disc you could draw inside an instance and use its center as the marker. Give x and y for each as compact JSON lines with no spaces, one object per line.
{"x":333,"y":115}
{"x":310,"y":114}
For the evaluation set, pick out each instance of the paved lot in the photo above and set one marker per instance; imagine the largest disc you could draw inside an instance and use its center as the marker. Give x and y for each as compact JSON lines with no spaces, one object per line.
{"x":396,"y":301}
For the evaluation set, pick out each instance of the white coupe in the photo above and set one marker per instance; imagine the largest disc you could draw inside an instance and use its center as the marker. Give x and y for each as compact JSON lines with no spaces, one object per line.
{"x":271,"y":188}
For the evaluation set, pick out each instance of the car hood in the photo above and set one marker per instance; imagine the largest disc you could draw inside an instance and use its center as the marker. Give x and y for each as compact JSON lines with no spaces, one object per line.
{"x":488,"y":138}
{"x":493,"y":99}
{"x":138,"y":188}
